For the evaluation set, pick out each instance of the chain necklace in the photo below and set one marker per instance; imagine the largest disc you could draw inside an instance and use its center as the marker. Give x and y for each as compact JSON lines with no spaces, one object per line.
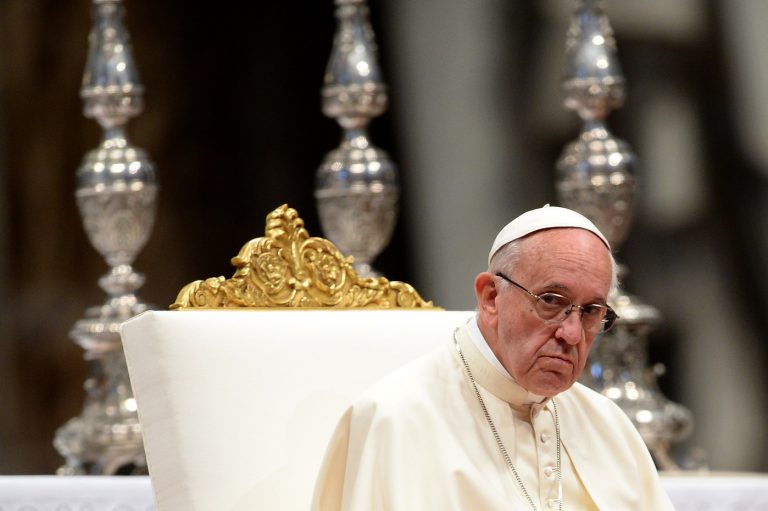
{"x":503,"y":449}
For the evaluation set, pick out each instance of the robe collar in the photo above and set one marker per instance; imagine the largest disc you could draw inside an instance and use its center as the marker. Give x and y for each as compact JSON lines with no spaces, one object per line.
{"x":488,"y":376}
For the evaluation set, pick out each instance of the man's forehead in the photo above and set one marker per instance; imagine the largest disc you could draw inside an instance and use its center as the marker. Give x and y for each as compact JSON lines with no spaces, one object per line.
{"x":555,"y":254}
{"x":564,"y":239}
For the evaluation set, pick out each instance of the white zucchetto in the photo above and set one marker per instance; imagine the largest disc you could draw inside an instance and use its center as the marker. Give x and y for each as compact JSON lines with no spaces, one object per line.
{"x":546,"y":217}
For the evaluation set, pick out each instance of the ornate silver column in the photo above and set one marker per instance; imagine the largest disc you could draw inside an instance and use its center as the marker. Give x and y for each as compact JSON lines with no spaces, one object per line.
{"x":116,"y":191}
{"x":356,"y":186}
{"x":595,"y":177}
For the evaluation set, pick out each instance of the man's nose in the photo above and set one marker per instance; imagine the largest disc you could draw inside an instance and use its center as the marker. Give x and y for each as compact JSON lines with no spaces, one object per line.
{"x":571,"y":330}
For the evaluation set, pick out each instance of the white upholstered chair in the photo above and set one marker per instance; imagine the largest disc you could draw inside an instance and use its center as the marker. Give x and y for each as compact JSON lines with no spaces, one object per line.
{"x":237,"y":406}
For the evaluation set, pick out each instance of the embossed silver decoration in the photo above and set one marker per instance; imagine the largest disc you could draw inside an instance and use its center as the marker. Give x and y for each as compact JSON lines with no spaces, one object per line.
{"x":356,"y":185}
{"x":595,"y":177}
{"x":116,"y":193}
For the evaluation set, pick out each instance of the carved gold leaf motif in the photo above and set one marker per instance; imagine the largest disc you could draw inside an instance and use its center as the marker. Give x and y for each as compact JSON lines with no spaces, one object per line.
{"x":288,"y":268}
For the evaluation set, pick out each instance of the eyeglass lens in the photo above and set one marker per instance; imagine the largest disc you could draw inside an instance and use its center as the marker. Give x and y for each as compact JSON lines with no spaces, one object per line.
{"x":553,"y":307}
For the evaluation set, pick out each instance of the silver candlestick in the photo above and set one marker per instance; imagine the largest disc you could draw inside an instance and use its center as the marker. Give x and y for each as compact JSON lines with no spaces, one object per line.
{"x":595,"y":177}
{"x":356,"y":186}
{"x":116,"y":192}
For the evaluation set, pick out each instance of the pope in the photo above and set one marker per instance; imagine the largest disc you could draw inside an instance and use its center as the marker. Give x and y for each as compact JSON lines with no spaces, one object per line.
{"x":495,"y":418}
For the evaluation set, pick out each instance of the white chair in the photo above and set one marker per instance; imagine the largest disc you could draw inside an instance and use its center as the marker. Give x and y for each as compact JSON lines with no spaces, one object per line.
{"x":237,"y":407}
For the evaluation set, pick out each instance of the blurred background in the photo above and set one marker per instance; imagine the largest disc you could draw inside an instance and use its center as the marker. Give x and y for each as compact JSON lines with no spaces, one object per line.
{"x":475,"y":125}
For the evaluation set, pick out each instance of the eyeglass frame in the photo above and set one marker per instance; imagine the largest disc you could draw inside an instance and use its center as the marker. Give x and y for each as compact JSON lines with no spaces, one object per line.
{"x":609,"y":318}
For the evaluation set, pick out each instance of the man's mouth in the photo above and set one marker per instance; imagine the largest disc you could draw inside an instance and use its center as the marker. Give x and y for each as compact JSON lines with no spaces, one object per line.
{"x":558,"y":360}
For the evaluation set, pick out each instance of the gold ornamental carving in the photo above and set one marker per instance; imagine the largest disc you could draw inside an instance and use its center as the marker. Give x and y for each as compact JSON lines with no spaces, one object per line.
{"x":288,"y":268}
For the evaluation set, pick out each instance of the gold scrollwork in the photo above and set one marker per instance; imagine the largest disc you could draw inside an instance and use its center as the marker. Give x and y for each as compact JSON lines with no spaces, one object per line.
{"x":288,"y":268}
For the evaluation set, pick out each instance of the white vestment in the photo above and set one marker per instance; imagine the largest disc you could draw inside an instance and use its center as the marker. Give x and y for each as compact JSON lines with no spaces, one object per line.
{"x":418,"y":440}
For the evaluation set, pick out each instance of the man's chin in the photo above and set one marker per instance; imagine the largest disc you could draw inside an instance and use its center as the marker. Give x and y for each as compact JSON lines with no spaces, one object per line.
{"x":551,"y":383}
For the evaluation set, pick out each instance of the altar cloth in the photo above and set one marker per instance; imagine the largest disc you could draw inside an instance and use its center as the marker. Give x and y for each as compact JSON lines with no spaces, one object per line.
{"x":76,"y":493}
{"x":716,"y":491}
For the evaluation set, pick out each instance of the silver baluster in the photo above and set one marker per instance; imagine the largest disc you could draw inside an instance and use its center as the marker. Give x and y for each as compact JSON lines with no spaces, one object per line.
{"x":595,"y":177}
{"x":356,"y":185}
{"x":116,"y":193}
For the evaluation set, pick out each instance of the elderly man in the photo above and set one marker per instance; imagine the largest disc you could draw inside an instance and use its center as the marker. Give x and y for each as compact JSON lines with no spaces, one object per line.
{"x":495,"y":420}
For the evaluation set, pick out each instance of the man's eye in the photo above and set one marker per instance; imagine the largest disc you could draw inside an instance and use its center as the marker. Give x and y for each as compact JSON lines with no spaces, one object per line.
{"x":553,"y":300}
{"x":592,"y":310}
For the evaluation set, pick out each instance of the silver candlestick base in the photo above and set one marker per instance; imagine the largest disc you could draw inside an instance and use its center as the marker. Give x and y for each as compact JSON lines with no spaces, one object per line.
{"x":618,"y":368}
{"x":105,"y":439}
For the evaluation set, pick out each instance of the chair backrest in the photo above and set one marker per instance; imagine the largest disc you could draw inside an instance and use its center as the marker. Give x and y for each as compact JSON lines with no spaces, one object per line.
{"x":237,"y":406}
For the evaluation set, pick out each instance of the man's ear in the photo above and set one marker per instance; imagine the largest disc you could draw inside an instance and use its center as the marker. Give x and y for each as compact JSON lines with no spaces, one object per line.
{"x":486,"y":291}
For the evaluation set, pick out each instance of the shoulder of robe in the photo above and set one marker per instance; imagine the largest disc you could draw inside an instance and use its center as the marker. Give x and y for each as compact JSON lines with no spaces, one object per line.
{"x":592,"y":407}
{"x":410,"y":386}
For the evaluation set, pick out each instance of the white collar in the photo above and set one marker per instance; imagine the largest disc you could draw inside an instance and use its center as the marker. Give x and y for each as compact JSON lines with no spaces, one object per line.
{"x":476,"y":336}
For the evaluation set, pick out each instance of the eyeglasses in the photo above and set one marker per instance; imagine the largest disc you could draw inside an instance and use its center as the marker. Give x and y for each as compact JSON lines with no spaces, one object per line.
{"x":554,"y":308}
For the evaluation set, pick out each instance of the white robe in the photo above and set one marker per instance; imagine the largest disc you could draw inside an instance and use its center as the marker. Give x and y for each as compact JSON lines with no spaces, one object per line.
{"x":418,"y":440}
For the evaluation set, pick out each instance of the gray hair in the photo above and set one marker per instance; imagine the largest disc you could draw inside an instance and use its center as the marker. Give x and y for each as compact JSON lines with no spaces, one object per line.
{"x":505,"y":259}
